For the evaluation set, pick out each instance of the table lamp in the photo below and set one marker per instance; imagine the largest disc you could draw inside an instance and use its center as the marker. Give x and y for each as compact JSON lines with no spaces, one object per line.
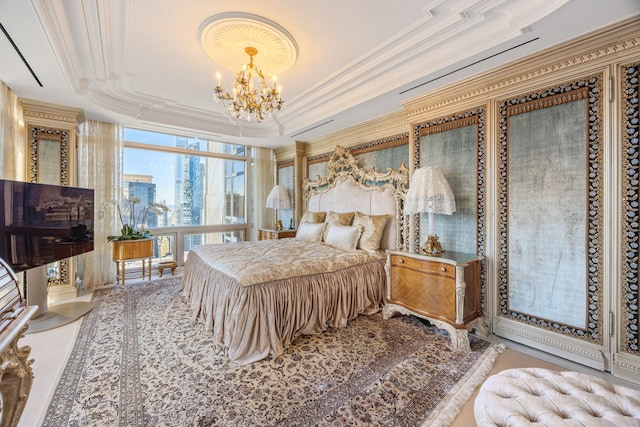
{"x":277,"y":199}
{"x":429,"y":192}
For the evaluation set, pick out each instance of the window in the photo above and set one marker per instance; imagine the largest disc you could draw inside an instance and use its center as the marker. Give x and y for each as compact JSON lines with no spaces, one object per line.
{"x":203,"y":183}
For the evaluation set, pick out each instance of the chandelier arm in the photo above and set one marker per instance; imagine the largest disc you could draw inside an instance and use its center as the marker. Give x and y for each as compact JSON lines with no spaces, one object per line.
{"x":248,"y":100}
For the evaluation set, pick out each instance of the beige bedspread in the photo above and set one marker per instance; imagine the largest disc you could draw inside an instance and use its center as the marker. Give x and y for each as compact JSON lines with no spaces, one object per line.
{"x":257,"y":297}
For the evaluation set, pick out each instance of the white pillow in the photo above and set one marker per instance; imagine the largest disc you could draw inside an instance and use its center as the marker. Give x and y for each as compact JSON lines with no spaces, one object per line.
{"x":344,"y":237}
{"x":310,"y":232}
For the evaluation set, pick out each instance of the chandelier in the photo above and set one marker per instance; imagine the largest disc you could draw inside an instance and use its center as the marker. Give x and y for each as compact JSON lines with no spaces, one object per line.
{"x":252,"y":97}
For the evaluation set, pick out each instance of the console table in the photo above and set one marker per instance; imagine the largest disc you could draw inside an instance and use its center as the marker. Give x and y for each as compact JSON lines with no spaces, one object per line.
{"x":443,"y":290}
{"x":131,"y":250}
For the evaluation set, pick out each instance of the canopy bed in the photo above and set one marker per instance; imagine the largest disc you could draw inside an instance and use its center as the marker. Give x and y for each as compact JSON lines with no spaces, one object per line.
{"x":257,"y":297}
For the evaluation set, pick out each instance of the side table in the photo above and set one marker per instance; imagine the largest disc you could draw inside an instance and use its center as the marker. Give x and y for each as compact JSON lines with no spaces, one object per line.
{"x":267,"y":234}
{"x":443,"y":290}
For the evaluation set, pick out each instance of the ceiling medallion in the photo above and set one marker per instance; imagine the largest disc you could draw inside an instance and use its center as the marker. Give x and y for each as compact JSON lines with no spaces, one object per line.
{"x":228,"y":38}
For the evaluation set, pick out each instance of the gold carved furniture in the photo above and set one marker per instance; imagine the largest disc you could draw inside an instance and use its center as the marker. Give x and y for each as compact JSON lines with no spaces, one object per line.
{"x":16,"y":375}
{"x":131,"y":250}
{"x":443,"y":290}
{"x":167,"y":264}
{"x":268,"y":234}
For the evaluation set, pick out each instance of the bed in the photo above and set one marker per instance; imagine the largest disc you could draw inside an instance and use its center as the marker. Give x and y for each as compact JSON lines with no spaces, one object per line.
{"x":257,"y":297}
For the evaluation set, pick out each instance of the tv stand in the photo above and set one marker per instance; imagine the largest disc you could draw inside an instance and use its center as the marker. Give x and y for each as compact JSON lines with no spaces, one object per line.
{"x":45,"y":318}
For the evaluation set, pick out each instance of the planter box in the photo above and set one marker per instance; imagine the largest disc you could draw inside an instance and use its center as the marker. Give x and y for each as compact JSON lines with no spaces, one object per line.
{"x":128,"y":250}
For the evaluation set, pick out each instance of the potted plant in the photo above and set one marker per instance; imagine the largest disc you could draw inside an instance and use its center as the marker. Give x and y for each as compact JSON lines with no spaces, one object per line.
{"x":134,"y":228}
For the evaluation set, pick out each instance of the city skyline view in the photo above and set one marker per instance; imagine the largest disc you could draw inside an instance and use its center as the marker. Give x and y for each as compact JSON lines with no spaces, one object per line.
{"x":160,"y":166}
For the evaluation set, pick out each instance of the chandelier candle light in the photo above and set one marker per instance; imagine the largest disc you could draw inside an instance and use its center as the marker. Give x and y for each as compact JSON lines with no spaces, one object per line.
{"x":252,"y":97}
{"x":430,"y":192}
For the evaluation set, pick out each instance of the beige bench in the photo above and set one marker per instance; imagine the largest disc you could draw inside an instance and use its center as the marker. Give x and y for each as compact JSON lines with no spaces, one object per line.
{"x":542,"y":397}
{"x":16,"y":375}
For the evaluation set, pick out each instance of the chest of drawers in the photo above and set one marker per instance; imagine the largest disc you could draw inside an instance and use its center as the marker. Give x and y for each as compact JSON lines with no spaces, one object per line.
{"x":443,"y":290}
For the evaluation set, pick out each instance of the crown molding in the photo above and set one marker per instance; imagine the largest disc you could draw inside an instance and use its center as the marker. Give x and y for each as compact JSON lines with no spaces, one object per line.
{"x":581,"y":55}
{"x":45,"y":114}
{"x":93,"y":57}
{"x":382,"y":127}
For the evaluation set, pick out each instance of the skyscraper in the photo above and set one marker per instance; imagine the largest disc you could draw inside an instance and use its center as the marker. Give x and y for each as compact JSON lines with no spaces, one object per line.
{"x":189,"y":190}
{"x":142,"y":187}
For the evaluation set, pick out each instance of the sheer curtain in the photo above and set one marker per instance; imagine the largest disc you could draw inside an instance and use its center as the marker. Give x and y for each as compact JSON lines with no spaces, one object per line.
{"x":263,"y":181}
{"x":100,"y":167}
{"x":12,"y":145}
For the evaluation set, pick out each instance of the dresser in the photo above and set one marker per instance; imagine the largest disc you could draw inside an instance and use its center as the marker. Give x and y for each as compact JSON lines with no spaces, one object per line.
{"x":443,"y":290}
{"x":266,"y":234}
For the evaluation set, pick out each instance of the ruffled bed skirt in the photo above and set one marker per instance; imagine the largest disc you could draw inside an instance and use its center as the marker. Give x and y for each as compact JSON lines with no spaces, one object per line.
{"x":250,"y":323}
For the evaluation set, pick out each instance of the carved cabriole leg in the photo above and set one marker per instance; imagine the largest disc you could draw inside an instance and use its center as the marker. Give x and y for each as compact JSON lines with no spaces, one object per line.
{"x":387,"y":269}
{"x":481,"y":326}
{"x":459,"y":337}
{"x":388,"y":311}
{"x":16,"y":380}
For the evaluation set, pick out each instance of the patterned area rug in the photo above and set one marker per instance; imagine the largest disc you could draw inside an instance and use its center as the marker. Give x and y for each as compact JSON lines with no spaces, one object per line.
{"x":139,"y":361}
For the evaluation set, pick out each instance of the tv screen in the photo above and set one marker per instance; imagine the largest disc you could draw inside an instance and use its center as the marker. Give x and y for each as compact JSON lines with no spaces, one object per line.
{"x":42,"y":223}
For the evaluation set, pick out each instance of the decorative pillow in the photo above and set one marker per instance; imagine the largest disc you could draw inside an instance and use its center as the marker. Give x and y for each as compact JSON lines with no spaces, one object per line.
{"x":344,"y":218}
{"x":373,"y":229}
{"x":313,"y":217}
{"x":344,"y":237}
{"x":310,"y":232}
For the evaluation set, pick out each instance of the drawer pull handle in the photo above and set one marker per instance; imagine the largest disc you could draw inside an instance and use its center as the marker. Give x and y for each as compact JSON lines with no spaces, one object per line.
{"x":401,"y":261}
{"x":443,"y":269}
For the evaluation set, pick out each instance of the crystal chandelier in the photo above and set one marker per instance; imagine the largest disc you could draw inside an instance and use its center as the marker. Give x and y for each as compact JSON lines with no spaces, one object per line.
{"x":252,"y":98}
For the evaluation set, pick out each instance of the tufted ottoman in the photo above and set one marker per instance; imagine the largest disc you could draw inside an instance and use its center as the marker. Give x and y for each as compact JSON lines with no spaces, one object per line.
{"x":542,"y":397}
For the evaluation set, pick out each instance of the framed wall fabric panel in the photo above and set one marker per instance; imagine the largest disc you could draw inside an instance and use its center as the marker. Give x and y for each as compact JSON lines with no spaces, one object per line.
{"x":457,"y":145}
{"x":547,"y":215}
{"x":50,"y":162}
{"x":315,"y":170}
{"x":454,"y":153}
{"x":631,"y":209}
{"x":383,"y":153}
{"x":550,"y":209}
{"x":382,"y":159}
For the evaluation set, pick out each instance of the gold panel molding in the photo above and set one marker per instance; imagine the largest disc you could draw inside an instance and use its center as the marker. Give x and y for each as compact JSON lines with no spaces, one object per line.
{"x":588,"y":88}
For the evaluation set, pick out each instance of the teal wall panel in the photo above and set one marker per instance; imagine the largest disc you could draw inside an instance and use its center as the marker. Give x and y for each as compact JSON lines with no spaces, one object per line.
{"x":454,"y":153}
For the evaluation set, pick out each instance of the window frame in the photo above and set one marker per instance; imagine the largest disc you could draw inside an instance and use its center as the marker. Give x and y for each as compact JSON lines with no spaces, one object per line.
{"x":178,"y":233}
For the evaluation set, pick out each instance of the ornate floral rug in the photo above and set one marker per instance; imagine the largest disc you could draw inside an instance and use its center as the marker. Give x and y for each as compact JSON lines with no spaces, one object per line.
{"x":139,"y":361}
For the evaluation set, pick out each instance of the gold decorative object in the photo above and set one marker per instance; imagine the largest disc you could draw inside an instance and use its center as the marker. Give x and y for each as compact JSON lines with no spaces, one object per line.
{"x":432,"y":246}
{"x":278,"y":225}
{"x":252,"y":97}
{"x":16,"y":375}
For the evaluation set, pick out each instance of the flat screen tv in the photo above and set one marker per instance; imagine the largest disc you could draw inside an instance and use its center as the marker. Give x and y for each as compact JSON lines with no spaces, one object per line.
{"x":42,"y":223}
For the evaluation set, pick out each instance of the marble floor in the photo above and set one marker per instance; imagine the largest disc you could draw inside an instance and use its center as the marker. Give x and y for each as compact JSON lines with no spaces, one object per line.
{"x":51,"y":348}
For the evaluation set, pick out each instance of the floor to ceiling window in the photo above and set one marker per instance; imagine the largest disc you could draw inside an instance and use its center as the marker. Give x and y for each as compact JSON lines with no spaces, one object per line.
{"x":201,"y":182}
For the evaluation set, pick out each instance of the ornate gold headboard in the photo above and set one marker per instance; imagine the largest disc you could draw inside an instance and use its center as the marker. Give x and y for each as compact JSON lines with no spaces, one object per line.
{"x":347,"y":187}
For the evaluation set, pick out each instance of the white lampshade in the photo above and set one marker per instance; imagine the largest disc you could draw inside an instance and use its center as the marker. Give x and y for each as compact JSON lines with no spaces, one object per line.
{"x":279,"y":198}
{"x":429,"y":192}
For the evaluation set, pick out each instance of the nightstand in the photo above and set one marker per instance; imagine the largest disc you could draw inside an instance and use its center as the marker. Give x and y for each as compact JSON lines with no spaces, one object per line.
{"x":266,"y":234}
{"x":443,"y":290}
